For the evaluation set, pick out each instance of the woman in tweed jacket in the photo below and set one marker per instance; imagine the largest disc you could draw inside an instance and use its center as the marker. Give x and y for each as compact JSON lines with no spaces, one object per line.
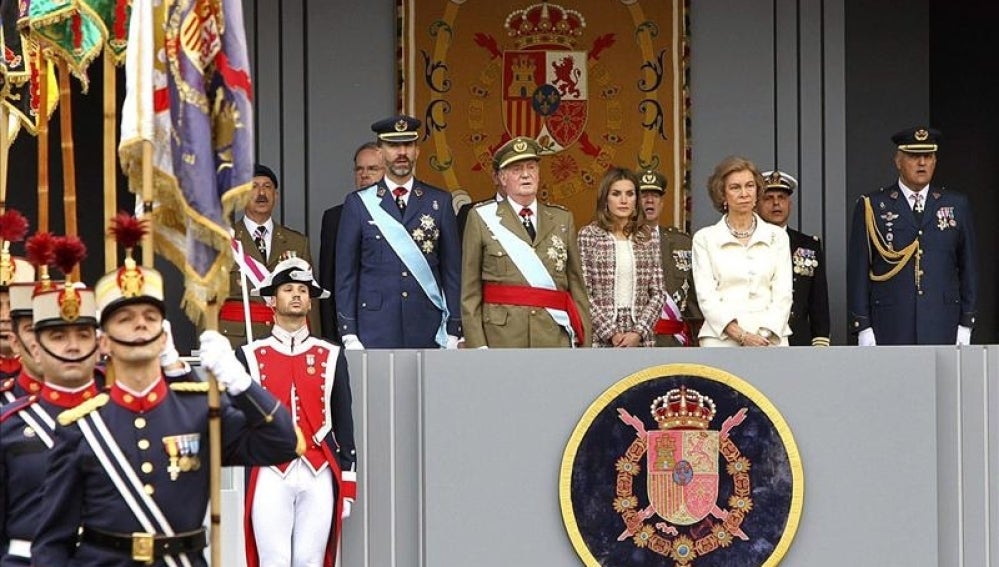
{"x":621,"y":266}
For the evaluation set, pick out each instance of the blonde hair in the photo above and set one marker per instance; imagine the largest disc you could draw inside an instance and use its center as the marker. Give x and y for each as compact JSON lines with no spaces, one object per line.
{"x":728,"y":166}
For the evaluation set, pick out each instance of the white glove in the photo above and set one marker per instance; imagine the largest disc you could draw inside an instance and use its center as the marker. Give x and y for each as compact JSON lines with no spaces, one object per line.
{"x":351,"y":342}
{"x":452,"y":342}
{"x":866,"y":337}
{"x":963,"y":335}
{"x":217,"y":356}
{"x":169,"y":355}
{"x":345,"y":513}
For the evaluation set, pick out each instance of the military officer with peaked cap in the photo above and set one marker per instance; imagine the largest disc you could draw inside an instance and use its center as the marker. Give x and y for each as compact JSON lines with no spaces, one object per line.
{"x":680,"y":312}
{"x":398,"y":254}
{"x":522,"y":277}
{"x":128,"y":481}
{"x":64,"y":322}
{"x":809,"y":318}
{"x":911,"y":267}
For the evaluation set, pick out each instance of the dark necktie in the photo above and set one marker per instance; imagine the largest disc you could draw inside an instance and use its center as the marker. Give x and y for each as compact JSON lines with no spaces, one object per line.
{"x":525,"y":216}
{"x":399,"y":193}
{"x":258,"y":239}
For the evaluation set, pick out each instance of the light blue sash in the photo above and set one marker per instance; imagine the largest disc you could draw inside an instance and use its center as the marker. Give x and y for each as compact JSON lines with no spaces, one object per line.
{"x":402,"y":244}
{"x":526,"y":261}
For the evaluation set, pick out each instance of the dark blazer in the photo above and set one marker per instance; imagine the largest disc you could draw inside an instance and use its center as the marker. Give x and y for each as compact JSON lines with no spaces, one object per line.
{"x":900,"y":311}
{"x":810,"y":310}
{"x":377,"y":298}
{"x":327,"y":267}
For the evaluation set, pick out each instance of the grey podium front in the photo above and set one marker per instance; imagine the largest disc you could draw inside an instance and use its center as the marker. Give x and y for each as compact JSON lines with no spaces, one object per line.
{"x":460,"y":451}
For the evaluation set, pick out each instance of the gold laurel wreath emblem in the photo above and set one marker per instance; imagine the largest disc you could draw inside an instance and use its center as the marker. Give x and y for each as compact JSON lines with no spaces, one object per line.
{"x":682,"y":548}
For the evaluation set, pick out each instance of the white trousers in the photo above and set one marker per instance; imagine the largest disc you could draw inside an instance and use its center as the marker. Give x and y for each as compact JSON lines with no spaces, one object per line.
{"x":292,"y":516}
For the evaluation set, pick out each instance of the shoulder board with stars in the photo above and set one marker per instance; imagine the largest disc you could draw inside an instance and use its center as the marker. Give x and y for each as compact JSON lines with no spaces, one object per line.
{"x":190,"y":387}
{"x":17,"y":405}
{"x":7,"y":385}
{"x":73,"y":415}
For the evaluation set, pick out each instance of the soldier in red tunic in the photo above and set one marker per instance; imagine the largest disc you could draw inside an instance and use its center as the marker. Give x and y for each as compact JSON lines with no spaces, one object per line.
{"x":294,"y":510}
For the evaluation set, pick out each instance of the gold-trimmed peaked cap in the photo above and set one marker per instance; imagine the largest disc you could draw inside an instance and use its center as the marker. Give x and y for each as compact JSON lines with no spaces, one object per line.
{"x":649,"y":180}
{"x":399,"y":128}
{"x":129,"y":283}
{"x":780,"y":181}
{"x":292,"y":270}
{"x":917,"y":140}
{"x":517,"y":149}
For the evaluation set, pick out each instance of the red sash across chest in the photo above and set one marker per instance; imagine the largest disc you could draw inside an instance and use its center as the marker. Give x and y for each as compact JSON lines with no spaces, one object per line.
{"x":299,"y":382}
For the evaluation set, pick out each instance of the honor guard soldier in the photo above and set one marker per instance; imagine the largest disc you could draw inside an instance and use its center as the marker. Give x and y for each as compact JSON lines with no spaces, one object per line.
{"x":13,"y":228}
{"x":522,"y":277}
{"x":681,"y":314}
{"x":398,"y":254}
{"x":267,"y":243}
{"x":63,"y":319}
{"x":809,"y":319}
{"x":294,"y":510}
{"x":911,"y":269}
{"x":128,"y":481}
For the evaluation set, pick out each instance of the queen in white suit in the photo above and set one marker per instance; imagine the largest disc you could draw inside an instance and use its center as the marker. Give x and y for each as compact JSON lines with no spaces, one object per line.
{"x":741,"y":266}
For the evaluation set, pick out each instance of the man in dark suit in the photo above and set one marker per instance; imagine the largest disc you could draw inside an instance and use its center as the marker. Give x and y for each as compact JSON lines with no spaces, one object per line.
{"x":911,"y":269}
{"x":268,"y":243}
{"x":368,"y":170}
{"x":398,"y":254}
{"x":809,"y":319}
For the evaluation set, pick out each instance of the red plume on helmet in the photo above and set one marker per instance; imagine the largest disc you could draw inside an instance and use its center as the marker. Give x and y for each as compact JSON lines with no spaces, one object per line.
{"x":128,"y":230}
{"x":13,"y":226}
{"x":69,"y":252}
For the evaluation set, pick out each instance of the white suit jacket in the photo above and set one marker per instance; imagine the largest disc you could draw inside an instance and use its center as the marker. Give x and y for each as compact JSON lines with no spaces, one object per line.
{"x":751,"y":284}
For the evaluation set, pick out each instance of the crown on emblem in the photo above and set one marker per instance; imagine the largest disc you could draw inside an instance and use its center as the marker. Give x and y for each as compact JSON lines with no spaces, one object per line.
{"x":681,"y":408}
{"x":520,"y":146}
{"x":545,"y":24}
{"x":921,"y":135}
{"x":774,"y":179}
{"x":649,"y":178}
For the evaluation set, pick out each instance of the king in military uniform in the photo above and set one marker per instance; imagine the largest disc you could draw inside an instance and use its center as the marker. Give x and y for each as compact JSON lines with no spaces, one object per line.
{"x":522,"y":277}
{"x":398,"y":254}
{"x":129,"y":474}
{"x":681,"y":316}
{"x":911,"y":268}
{"x":294,"y":510}
{"x":809,"y":318}
{"x":62,"y":321}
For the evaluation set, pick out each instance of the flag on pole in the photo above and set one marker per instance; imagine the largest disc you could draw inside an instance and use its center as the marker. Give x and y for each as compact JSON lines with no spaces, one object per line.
{"x":19,"y":76}
{"x":113,"y":16}
{"x":189,"y":94}
{"x":68,"y":29}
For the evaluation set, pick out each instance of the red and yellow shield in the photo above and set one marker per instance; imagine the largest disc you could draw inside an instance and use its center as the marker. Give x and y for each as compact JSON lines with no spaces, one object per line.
{"x":682,"y":467}
{"x":545,"y":95}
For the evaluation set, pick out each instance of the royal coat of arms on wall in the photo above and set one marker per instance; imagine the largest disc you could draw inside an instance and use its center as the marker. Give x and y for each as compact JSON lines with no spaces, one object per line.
{"x":682,"y":465}
{"x":597,"y":83}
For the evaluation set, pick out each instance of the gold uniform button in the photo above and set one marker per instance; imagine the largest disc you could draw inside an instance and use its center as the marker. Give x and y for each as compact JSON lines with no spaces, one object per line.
{"x":140,"y":423}
{"x":149,"y":489}
{"x":143,"y":444}
{"x":147,"y":468}
{"x":405,"y":294}
{"x":404,"y":274}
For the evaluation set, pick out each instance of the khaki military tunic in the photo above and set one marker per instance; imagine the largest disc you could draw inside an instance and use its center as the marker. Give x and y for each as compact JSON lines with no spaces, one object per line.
{"x":484,"y":260}
{"x":283,"y":241}
{"x":675,"y":248}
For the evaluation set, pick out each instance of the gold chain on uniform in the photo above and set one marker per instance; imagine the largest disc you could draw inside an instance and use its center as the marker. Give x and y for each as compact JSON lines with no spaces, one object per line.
{"x":898,"y":258}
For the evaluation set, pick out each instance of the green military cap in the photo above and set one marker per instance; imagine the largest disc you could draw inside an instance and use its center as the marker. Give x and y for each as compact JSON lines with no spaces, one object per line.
{"x":649,"y":180}
{"x":517,"y":149}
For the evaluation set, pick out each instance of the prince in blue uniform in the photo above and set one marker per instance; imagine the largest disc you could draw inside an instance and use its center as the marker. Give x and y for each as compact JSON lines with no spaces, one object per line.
{"x":398,"y":255}
{"x":911,"y":268}
{"x":65,"y":354}
{"x":129,"y":474}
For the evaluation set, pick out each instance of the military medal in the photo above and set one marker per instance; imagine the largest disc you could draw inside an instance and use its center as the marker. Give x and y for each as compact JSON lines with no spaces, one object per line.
{"x":310,"y":363}
{"x":945,"y":218}
{"x":435,"y":205}
{"x":170,"y":444}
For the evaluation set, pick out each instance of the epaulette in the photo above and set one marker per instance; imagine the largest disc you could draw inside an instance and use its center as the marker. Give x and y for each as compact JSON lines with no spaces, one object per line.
{"x":7,"y":385}
{"x":17,"y":405}
{"x":72,"y":415}
{"x":557,"y":206}
{"x":190,"y":387}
